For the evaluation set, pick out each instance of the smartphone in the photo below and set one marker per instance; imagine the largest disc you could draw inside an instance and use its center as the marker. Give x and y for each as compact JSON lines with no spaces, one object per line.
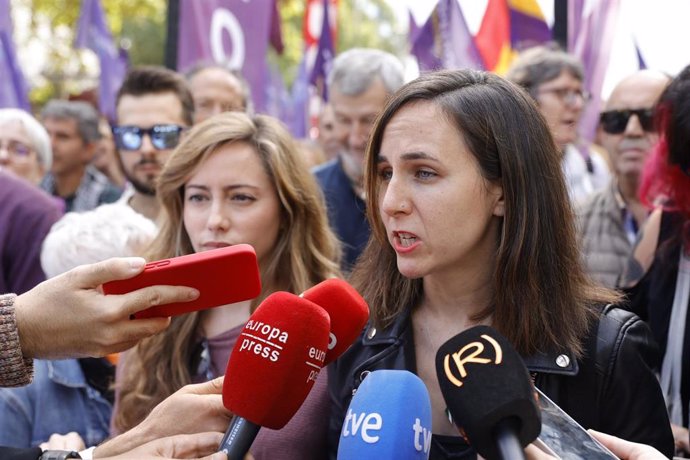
{"x":564,"y":437}
{"x":222,"y":276}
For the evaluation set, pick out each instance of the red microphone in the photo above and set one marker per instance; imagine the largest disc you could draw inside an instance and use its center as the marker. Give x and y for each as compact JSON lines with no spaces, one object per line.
{"x":272,"y":368}
{"x":347,"y":309}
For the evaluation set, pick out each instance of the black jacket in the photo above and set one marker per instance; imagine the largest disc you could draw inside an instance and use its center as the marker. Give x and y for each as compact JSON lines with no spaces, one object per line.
{"x":612,"y":389}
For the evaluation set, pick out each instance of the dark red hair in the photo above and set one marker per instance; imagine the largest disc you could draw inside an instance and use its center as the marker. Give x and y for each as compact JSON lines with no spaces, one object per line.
{"x":666,"y":176}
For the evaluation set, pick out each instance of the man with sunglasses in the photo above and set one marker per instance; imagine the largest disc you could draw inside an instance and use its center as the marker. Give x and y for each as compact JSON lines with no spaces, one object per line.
{"x":610,"y":219}
{"x":154,"y":107}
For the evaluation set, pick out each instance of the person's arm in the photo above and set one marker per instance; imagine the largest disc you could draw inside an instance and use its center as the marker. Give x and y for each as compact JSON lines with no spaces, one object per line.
{"x":15,"y":369}
{"x":191,"y":409}
{"x":69,"y":316}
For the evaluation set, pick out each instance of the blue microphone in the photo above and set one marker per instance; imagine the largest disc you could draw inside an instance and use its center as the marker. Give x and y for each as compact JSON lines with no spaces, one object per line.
{"x":389,"y":417}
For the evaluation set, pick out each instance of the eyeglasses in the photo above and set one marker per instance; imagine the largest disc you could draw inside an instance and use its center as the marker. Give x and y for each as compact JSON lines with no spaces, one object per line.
{"x":568,"y":95}
{"x":16,"y":148}
{"x":615,"y":121}
{"x":162,"y":137}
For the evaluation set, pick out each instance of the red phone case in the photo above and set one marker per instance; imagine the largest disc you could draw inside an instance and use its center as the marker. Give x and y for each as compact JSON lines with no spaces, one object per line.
{"x":222,"y":276}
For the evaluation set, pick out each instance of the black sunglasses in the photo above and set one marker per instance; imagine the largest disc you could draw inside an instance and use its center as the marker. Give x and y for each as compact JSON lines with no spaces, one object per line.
{"x":162,"y":137}
{"x":615,"y":121}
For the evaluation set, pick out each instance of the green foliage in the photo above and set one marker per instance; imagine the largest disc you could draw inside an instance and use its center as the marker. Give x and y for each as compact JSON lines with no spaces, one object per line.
{"x":361,"y":23}
{"x":140,"y":27}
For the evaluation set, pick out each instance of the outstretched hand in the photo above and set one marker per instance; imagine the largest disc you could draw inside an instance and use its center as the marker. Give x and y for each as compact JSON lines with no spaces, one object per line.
{"x":191,"y":409}
{"x":68,"y":316}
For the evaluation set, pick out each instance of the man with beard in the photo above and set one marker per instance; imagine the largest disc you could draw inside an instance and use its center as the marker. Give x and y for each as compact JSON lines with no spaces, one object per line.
{"x":609,"y":220}
{"x":154,"y":107}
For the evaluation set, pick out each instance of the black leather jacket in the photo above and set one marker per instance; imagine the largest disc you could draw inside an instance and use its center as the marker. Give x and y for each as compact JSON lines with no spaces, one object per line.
{"x":612,"y":389}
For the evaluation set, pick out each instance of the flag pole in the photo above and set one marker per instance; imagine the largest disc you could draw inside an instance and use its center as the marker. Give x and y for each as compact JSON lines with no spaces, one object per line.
{"x":173,"y":23}
{"x":560,"y":23}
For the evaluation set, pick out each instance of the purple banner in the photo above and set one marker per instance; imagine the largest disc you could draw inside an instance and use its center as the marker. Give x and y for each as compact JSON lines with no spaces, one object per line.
{"x":591,"y":27}
{"x":459,"y":49}
{"x":93,"y":33}
{"x":232,"y":32}
{"x":13,"y":89}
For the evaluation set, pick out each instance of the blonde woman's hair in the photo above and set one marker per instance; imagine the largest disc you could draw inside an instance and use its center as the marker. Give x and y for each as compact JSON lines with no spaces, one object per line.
{"x":305,"y":253}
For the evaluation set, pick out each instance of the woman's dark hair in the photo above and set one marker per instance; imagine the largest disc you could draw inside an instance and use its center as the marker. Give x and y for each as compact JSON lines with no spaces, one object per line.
{"x":541,"y":298}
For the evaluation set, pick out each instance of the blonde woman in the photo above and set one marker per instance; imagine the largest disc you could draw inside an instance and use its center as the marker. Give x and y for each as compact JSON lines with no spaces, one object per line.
{"x":234,"y":179}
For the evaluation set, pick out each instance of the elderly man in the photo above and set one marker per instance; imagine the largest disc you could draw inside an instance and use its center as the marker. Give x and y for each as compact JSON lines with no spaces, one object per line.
{"x":610,"y":219}
{"x":73,"y":130}
{"x":217,"y":89}
{"x":359,"y":83}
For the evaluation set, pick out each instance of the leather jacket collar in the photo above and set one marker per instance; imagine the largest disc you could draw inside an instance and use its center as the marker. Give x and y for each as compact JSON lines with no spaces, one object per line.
{"x":400,"y":331}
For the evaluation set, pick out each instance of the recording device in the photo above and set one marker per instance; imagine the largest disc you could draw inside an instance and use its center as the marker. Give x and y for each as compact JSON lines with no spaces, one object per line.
{"x":272,"y":368}
{"x":222,"y":276}
{"x":389,"y":417}
{"x":488,"y":392}
{"x":347,"y":309}
{"x":564,"y":437}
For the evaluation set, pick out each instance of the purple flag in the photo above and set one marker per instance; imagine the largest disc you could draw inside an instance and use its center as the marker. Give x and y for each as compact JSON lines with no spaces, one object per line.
{"x":298,"y":116}
{"x":13,"y":89}
{"x":232,"y":32}
{"x":5,"y":16}
{"x":526,"y":30}
{"x":325,"y":52}
{"x":423,"y":43}
{"x":641,"y":64}
{"x":277,"y":96}
{"x":591,"y":27}
{"x":93,"y":33}
{"x":459,"y":49}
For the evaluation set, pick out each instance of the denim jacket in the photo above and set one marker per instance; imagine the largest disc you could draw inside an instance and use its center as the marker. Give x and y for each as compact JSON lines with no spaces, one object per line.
{"x":58,"y":401}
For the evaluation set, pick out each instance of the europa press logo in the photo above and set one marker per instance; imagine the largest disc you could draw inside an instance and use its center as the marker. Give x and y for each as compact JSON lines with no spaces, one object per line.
{"x":472,"y":353}
{"x":263,"y":340}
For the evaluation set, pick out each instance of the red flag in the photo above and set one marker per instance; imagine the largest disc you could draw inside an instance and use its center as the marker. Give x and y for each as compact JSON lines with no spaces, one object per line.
{"x":493,"y":38}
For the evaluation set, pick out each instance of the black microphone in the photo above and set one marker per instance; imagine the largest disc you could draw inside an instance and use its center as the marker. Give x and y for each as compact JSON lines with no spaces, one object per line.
{"x":488,"y":392}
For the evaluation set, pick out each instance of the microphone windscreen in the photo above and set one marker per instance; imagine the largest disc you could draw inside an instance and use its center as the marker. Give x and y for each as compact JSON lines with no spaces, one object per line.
{"x":347,"y":309}
{"x":484,"y":382}
{"x":276,"y":360}
{"x":389,"y":417}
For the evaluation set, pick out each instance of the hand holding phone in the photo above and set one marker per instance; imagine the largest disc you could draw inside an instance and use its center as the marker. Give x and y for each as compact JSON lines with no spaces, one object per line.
{"x":222,"y":276}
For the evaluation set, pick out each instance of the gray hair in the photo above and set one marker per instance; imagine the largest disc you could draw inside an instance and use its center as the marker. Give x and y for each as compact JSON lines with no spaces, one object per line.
{"x":356,"y":69}
{"x":110,"y":230}
{"x":82,"y":112}
{"x":540,"y":64}
{"x":40,"y":141}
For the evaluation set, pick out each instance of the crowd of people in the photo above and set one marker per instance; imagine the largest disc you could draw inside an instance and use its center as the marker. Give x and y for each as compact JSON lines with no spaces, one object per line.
{"x":457,"y":199}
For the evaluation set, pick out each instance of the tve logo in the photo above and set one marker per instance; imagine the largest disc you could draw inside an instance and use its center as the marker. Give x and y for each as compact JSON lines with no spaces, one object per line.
{"x":389,"y":417}
{"x":369,"y":423}
{"x":368,"y":426}
{"x":422,"y":437}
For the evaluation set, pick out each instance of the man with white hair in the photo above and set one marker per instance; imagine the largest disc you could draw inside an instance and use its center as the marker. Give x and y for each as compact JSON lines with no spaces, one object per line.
{"x":359,"y":84}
